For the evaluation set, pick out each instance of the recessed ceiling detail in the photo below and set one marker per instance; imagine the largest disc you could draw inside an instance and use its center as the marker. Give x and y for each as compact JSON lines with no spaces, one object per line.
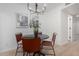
{"x":73,"y":9}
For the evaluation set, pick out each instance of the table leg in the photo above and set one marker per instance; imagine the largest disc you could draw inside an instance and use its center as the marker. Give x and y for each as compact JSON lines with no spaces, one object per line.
{"x":40,"y":53}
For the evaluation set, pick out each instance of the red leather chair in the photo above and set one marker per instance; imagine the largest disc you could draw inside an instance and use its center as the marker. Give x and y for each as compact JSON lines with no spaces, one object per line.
{"x":31,"y":45}
{"x":50,"y":43}
{"x":18,"y":39}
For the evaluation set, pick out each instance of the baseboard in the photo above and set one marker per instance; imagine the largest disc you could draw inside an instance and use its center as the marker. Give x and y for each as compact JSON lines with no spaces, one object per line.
{"x":8,"y":52}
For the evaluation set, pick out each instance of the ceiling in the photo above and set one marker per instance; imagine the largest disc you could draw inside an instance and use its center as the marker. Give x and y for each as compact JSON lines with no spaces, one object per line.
{"x":19,"y":6}
{"x":72,"y":9}
{"x":51,"y":6}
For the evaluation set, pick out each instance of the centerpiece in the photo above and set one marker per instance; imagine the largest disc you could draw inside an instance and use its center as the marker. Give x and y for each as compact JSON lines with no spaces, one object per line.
{"x":35,"y":25}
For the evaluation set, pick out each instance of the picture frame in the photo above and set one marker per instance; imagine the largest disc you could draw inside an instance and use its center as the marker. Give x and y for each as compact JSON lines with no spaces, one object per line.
{"x":22,"y":20}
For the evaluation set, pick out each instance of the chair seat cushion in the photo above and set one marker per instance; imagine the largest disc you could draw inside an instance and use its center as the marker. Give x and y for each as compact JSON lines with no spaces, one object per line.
{"x":47,"y":43}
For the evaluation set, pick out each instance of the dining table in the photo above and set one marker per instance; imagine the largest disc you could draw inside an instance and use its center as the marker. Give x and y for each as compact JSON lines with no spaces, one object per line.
{"x":41,"y":36}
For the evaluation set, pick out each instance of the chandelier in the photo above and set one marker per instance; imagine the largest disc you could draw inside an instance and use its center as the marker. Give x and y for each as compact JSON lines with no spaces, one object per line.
{"x":36,"y":8}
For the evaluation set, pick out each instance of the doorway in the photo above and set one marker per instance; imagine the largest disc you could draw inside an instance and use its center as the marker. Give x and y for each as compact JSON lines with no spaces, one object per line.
{"x":72,"y":22}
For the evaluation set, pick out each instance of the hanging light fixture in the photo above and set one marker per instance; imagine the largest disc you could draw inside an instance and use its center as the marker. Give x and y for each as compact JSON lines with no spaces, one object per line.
{"x":37,"y":8}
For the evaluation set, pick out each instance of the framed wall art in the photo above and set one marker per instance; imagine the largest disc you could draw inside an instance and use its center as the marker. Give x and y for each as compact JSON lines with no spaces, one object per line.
{"x":22,"y":20}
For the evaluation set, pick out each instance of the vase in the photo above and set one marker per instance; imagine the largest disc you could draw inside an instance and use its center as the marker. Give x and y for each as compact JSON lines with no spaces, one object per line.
{"x":36,"y":34}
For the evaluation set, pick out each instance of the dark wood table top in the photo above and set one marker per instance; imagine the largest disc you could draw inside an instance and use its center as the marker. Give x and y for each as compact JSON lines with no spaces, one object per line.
{"x":31,"y":36}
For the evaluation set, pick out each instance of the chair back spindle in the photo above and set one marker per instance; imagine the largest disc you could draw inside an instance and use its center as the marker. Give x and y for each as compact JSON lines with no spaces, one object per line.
{"x":53,"y":38}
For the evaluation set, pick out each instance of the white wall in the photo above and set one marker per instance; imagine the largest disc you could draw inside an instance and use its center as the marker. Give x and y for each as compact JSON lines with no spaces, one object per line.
{"x":51,"y":22}
{"x":7,"y":31}
{"x":64,"y":27}
{"x":75,"y":28}
{"x":8,"y":25}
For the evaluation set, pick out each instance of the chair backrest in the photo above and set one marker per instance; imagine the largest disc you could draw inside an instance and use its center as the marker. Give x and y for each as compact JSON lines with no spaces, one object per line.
{"x":53,"y":38}
{"x":31,"y":45}
{"x":18,"y":37}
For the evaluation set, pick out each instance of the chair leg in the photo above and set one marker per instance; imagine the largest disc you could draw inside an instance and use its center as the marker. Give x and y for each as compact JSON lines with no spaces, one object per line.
{"x":23,"y":53}
{"x":28,"y":54}
{"x":39,"y":53}
{"x":54,"y":52}
{"x":34,"y":53}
